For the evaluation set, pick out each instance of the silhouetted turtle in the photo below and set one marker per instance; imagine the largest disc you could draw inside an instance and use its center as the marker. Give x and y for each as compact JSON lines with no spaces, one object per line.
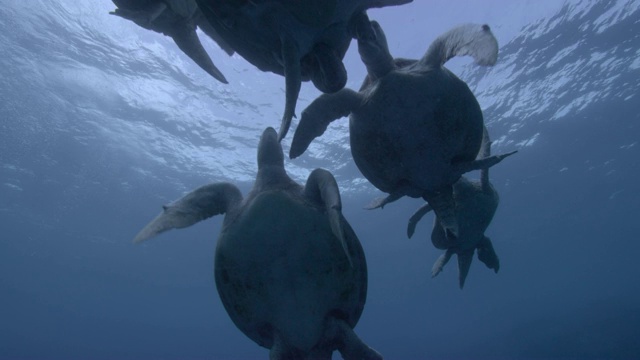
{"x":177,"y":19}
{"x":289,"y":269}
{"x":301,"y":40}
{"x":415,"y":128}
{"x":476,"y":203}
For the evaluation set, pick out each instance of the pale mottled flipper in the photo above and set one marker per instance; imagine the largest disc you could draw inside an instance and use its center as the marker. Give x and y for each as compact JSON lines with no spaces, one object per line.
{"x":413,"y":220}
{"x":322,"y":187}
{"x":319,"y":114}
{"x":293,"y":80}
{"x":469,"y":39}
{"x":441,"y":262}
{"x":200,"y":204}
{"x":464,"y":264}
{"x":488,"y":255}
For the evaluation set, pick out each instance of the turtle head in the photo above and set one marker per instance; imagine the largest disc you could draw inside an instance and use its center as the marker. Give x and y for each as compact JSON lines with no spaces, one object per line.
{"x":269,"y":150}
{"x":374,"y":52}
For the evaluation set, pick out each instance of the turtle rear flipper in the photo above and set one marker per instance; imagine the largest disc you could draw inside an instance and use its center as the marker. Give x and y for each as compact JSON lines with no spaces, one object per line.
{"x":464,"y":264}
{"x":488,"y":255}
{"x":485,"y":163}
{"x":349,"y":344}
{"x":438,"y":266}
{"x":200,"y":204}
{"x":382,"y":201}
{"x":444,"y":205}
{"x":413,"y":220}
{"x":319,"y":114}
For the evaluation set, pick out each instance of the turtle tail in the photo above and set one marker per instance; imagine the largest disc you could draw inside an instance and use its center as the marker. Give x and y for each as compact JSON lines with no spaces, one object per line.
{"x":468,"y":39}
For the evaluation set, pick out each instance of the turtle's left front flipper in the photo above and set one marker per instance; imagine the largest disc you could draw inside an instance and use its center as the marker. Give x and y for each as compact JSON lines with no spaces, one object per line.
{"x":322,"y":188}
{"x":185,"y":36}
{"x":319,"y":114}
{"x":200,"y":204}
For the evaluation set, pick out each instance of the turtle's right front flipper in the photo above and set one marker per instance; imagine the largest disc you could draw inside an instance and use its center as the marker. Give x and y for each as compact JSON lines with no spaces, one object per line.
{"x":321,"y":187}
{"x":202,"y":203}
{"x":319,"y":114}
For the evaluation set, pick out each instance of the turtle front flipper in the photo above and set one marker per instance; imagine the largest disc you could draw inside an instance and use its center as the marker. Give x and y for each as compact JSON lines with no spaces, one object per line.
{"x":322,"y":188}
{"x":413,"y":220}
{"x":468,"y":39}
{"x":488,"y":255}
{"x":200,"y":204}
{"x":206,"y":28}
{"x":319,"y":114}
{"x":441,"y":262}
{"x":184,"y":35}
{"x":374,"y":51}
{"x":139,"y":13}
{"x":293,"y":81}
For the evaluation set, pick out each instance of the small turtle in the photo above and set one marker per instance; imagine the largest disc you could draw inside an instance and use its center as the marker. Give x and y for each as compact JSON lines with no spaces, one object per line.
{"x":301,"y":40}
{"x":177,"y":19}
{"x":415,"y":127}
{"x":476,"y":203}
{"x":289,"y":269}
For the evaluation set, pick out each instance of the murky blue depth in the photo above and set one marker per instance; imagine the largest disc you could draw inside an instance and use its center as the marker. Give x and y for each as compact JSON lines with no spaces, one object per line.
{"x":102,"y":122}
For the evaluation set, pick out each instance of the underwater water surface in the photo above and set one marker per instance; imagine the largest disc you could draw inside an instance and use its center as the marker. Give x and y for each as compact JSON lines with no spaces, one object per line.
{"x":102,"y":122}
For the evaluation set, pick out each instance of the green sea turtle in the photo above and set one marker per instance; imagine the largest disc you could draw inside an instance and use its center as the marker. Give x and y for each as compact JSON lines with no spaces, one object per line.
{"x":289,"y":269}
{"x":177,"y":19}
{"x":301,"y":40}
{"x":415,"y":127}
{"x":476,"y":203}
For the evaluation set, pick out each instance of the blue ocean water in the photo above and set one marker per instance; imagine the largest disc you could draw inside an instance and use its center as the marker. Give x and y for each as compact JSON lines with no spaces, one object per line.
{"x":102,"y":122}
